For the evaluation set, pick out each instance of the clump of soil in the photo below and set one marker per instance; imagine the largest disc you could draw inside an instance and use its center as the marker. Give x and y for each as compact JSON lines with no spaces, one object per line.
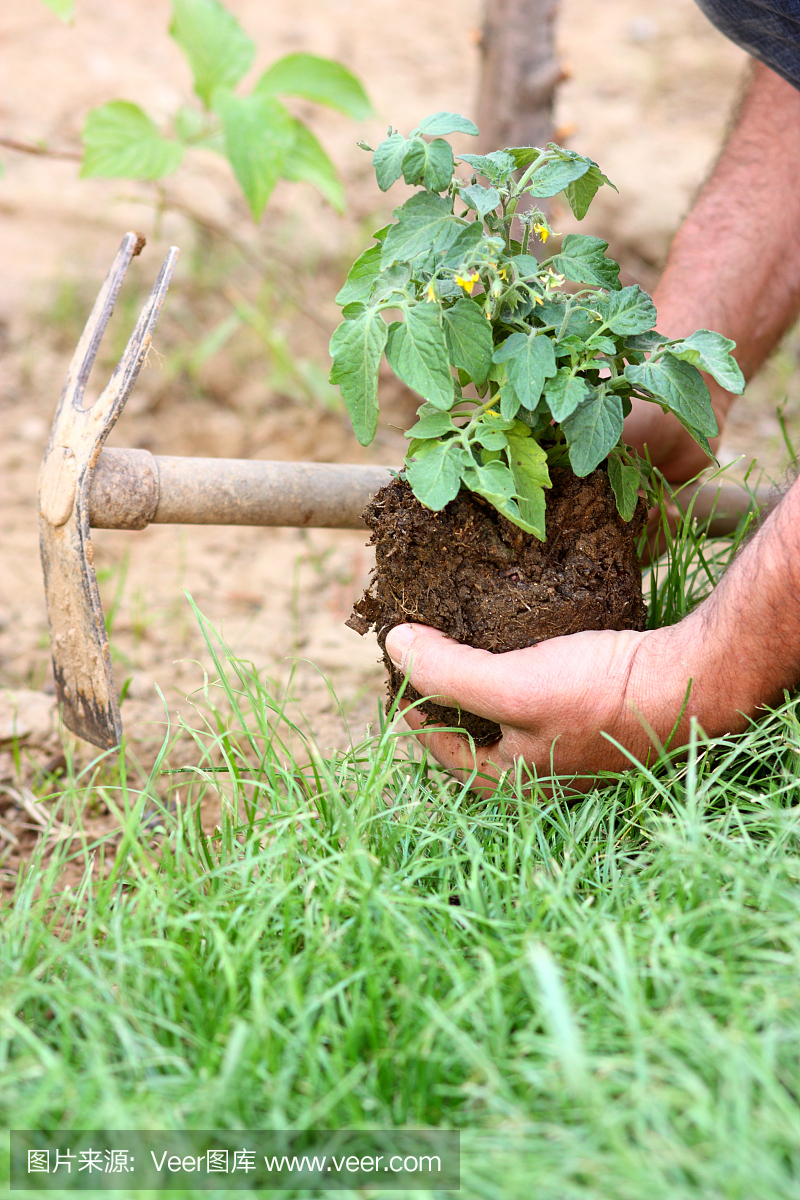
{"x":471,"y":573}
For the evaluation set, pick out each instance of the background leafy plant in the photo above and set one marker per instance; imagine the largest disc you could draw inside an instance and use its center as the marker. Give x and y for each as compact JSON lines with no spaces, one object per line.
{"x":550,"y":371}
{"x":258,"y":135}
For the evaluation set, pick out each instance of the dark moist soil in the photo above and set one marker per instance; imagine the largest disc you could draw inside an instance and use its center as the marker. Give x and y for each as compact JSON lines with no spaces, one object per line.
{"x":471,"y":573}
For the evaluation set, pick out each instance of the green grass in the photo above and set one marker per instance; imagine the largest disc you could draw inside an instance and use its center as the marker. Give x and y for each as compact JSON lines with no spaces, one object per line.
{"x":604,"y":996}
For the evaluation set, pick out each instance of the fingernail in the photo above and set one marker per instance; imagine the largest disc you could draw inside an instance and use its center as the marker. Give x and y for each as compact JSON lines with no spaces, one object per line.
{"x":398,"y":641}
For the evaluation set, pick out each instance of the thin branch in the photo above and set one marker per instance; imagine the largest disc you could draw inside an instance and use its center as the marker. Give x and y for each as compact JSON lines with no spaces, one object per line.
{"x":41,"y":151}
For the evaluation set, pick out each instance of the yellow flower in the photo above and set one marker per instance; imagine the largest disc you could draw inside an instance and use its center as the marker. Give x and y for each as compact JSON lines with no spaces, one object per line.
{"x":431,"y":292}
{"x":543,"y":232}
{"x":467,"y":282}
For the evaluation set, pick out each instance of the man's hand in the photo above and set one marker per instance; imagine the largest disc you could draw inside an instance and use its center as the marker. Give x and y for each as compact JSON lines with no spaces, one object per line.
{"x":555,"y":701}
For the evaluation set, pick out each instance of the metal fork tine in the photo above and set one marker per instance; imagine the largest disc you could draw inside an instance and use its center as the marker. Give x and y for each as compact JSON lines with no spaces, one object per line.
{"x":86,"y":350}
{"x":126,"y":372}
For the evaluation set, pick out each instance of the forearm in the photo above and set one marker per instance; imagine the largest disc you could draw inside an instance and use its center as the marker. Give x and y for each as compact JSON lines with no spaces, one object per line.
{"x":741,"y":647}
{"x":734,"y":265}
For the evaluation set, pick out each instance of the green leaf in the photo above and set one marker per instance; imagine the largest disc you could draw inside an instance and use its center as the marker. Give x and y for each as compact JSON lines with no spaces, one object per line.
{"x":488,"y":437}
{"x":625,"y":480}
{"x":463,"y":246}
{"x":356,"y":349}
{"x":121,"y":142}
{"x":442,"y":123}
{"x":629,"y":311}
{"x":523,"y":156}
{"x":62,"y":8}
{"x":388,"y":160}
{"x":583,"y":260}
{"x":425,"y":225}
{"x":469,"y":339}
{"x":679,"y":387}
{"x":392,"y":280}
{"x":527,"y":266}
{"x":483,"y":200}
{"x":429,"y":164}
{"x":307,"y":162}
{"x":711,"y":352}
{"x":361,"y":276}
{"x":492,"y":480}
{"x":496,"y":167}
{"x":529,"y":359}
{"x":417,"y":353}
{"x":259,"y":136}
{"x":434,"y":474}
{"x":552,"y":177}
{"x":593,"y":430}
{"x":581,"y":191}
{"x":564,"y":392}
{"x":509,"y":401}
{"x":320,"y":80}
{"x":431,"y":425}
{"x":528,"y":462}
{"x":218,"y":49}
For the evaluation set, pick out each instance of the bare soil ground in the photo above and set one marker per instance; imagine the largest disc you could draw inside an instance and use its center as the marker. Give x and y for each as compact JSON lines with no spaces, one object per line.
{"x":241,"y":362}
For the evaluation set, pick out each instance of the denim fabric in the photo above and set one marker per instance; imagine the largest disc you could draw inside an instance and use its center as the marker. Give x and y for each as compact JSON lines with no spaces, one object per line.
{"x":767,"y":29}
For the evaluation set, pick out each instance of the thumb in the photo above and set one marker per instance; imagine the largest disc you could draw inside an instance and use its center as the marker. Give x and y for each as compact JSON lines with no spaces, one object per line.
{"x":455,"y":675}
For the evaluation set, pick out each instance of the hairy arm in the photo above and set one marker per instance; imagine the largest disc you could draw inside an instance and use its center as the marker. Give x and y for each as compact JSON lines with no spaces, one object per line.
{"x":555,"y":701}
{"x":734,"y":265}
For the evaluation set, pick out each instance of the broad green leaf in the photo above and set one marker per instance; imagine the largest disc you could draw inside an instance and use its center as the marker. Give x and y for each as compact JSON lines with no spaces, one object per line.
{"x":356,"y":349}
{"x":523,"y":156}
{"x":469,"y":338}
{"x":318,"y":79}
{"x":583,"y":260}
{"x":554,"y":176}
{"x":564,"y":392}
{"x":490,"y":439}
{"x":387,"y":160}
{"x":442,"y":123}
{"x":530,"y":359}
{"x":392,"y":280}
{"x":428,"y":164}
{"x":62,"y":8}
{"x":581,"y":192}
{"x":417,"y":353}
{"x":625,"y":480}
{"x":361,"y":276}
{"x":121,"y":142}
{"x":629,"y":311}
{"x":492,"y":480}
{"x":496,"y":167}
{"x":307,"y":162}
{"x":711,"y":352}
{"x":528,"y":462}
{"x":527,"y":266}
{"x":645,"y":341}
{"x":483,"y":200}
{"x":218,"y":49}
{"x":259,"y":136}
{"x":593,"y":430}
{"x":432,"y":425}
{"x":680,"y":387}
{"x":463,"y":245}
{"x":425,"y":225}
{"x":599,"y":344}
{"x":509,"y":401}
{"x":435,"y":475}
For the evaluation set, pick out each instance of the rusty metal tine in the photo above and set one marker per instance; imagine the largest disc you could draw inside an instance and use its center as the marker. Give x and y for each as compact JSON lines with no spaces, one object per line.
{"x":86,"y":350}
{"x":126,"y":372}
